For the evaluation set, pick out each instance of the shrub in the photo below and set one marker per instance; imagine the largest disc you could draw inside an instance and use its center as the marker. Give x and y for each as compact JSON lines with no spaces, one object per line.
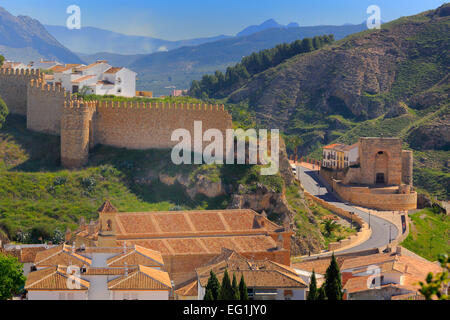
{"x":3,"y":112}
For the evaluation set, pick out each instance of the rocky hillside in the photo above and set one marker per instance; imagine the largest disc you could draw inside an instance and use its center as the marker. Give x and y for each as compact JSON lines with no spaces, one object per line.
{"x":392,"y":81}
{"x":25,"y":39}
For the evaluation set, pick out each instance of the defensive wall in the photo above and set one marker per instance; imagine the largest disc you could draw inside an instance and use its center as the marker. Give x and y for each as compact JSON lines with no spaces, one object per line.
{"x":84,"y":124}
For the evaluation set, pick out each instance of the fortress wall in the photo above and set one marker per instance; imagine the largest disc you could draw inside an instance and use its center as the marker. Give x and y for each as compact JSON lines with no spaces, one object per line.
{"x":45,"y":107}
{"x":392,"y":168}
{"x":145,"y":126}
{"x":407,"y":167}
{"x":13,"y":88}
{"x":75,"y":133}
{"x":364,"y":197}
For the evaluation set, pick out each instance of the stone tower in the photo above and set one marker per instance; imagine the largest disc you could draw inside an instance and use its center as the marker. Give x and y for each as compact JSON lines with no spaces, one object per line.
{"x":407,"y":167}
{"x":75,"y":133}
{"x":107,"y":220}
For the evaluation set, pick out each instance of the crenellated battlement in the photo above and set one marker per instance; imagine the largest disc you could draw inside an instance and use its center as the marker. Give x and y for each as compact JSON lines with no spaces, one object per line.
{"x":21,"y":72}
{"x":40,"y":87}
{"x":159,"y":105}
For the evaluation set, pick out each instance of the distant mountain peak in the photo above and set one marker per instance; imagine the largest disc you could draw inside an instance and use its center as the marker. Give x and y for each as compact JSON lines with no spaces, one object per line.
{"x":268,"y":24}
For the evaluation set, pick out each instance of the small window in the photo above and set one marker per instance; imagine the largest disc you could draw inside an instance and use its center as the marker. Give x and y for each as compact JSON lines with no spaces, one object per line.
{"x":119,"y":90}
{"x":380,"y":152}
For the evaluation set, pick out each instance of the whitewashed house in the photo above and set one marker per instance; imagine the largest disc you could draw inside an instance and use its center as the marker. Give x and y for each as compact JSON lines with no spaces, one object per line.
{"x":128,"y":273}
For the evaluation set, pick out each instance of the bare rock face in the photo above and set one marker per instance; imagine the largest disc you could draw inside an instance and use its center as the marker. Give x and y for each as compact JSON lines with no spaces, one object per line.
{"x":435,"y":135}
{"x":200,"y":185}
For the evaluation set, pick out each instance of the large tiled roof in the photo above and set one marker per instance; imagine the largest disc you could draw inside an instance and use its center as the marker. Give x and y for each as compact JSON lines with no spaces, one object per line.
{"x":60,"y":255}
{"x":257,"y":273}
{"x":137,"y":256}
{"x":53,"y":278}
{"x":199,"y":245}
{"x":144,"y":278}
{"x":212,"y":222}
{"x":189,"y":290}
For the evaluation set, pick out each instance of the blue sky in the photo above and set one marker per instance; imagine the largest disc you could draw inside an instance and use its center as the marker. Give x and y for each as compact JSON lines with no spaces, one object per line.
{"x":183,"y":19}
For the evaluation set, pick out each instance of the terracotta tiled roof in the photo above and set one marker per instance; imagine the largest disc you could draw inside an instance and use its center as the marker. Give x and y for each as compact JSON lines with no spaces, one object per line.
{"x":137,"y":256}
{"x":145,"y":278}
{"x":257,"y":273}
{"x":84,"y":78}
{"x":113,"y":70}
{"x":319,"y":266}
{"x":107,"y":207}
{"x":189,"y":290}
{"x":52,"y":278}
{"x":60,"y":255}
{"x":89,"y":66}
{"x":364,"y":261}
{"x":28,"y":255}
{"x":59,"y":68}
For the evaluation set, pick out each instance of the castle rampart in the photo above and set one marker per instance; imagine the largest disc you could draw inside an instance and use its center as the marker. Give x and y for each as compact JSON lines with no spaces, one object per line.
{"x":14,"y":86}
{"x":83,"y":124}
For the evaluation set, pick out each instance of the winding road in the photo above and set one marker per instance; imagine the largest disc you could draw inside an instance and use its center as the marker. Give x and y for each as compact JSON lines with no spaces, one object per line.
{"x":383,"y":232}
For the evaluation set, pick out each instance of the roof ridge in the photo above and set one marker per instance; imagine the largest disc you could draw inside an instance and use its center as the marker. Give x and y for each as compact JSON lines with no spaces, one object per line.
{"x":43,"y":278}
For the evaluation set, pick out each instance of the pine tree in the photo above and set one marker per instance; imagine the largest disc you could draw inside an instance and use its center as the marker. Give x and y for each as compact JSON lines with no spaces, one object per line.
{"x":213,"y":285}
{"x":208,"y":295}
{"x":333,"y":282}
{"x":235,"y":288}
{"x":243,"y":289}
{"x":226,"y":291}
{"x":313,"y":292}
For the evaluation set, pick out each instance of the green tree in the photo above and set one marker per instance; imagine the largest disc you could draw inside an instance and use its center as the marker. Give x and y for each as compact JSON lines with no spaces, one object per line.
{"x":3,"y":112}
{"x":11,"y":277}
{"x":322,"y":295}
{"x":330,"y":226}
{"x":213,"y":285}
{"x":313,"y":292}
{"x":2,"y":59}
{"x":226,"y":291}
{"x":243,"y":294}
{"x":434,"y":287}
{"x":235,"y":288}
{"x":208,"y":295}
{"x":333,"y":282}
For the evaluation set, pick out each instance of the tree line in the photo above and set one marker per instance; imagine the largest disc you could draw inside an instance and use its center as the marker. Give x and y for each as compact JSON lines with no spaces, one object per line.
{"x":228,"y":290}
{"x":219,"y":84}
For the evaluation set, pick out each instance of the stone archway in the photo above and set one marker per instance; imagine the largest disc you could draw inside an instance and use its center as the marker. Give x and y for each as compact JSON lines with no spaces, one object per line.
{"x":381,"y":167}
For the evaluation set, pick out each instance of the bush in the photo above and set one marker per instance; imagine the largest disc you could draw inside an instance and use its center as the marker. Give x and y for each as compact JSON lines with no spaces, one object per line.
{"x":3,"y":112}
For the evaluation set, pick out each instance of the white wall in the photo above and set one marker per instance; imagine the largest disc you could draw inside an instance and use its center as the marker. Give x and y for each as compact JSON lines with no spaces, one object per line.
{"x":57,"y":295}
{"x":127,"y":84}
{"x":139,"y":295}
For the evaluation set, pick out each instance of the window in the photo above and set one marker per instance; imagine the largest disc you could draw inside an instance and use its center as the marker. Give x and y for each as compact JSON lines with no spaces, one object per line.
{"x":119,"y":90}
{"x":380,"y":178}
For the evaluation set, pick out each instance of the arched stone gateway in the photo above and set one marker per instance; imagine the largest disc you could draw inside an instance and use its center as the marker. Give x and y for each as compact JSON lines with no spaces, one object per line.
{"x":381,"y":167}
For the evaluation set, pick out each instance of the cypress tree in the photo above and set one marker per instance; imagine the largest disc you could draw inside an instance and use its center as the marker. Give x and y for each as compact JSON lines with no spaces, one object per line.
{"x":208,"y":295}
{"x":313,"y":292}
{"x":333,"y":283}
{"x":235,"y":288}
{"x":243,"y":289}
{"x":213,"y":285}
{"x":321,"y":293}
{"x":226,"y":291}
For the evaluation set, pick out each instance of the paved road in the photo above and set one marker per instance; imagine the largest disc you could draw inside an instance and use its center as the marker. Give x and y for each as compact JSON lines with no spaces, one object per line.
{"x":382,"y":230}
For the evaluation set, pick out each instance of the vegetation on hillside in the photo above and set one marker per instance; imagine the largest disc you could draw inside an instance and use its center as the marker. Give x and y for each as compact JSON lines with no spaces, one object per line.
{"x":3,"y":112}
{"x":429,"y":234}
{"x":220,"y":85}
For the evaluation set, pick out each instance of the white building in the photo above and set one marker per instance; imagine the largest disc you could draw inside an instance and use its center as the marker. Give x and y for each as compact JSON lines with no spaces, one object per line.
{"x":97,"y":78}
{"x":129,"y":273}
{"x":339,"y":156}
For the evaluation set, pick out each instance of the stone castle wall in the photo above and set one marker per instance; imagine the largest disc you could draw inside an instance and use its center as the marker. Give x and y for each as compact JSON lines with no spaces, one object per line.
{"x":14,"y":86}
{"x":82,"y":125}
{"x":146,"y":126}
{"x":45,"y":107}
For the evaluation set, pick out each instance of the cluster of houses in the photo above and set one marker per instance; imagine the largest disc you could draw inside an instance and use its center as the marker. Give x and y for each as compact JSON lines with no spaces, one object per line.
{"x":97,"y":78}
{"x":169,"y":256}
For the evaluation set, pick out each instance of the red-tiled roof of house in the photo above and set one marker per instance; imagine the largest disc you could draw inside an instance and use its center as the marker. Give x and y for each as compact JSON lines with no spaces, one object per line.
{"x":60,"y":255}
{"x":113,"y":70}
{"x":83,"y":78}
{"x":137,"y":256}
{"x":144,"y":278}
{"x":54,"y":278}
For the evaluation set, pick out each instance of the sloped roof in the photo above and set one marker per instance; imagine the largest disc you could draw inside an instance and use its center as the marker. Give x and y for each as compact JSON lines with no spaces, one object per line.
{"x":189,"y":290}
{"x":83,"y":78}
{"x":144,"y":278}
{"x":113,"y":70}
{"x":60,"y":255}
{"x":137,"y":256}
{"x":53,"y":278}
{"x":107,"y":207}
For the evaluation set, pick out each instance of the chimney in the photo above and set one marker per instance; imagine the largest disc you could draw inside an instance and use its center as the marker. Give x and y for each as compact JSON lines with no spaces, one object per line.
{"x":82,"y":223}
{"x":280,"y":242}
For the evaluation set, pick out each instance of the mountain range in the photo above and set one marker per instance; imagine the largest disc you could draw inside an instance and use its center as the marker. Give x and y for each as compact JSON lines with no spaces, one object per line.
{"x":25,"y":39}
{"x":392,"y":82}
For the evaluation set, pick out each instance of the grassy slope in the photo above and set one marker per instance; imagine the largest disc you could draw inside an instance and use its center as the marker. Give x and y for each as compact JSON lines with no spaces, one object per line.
{"x":429,"y":234}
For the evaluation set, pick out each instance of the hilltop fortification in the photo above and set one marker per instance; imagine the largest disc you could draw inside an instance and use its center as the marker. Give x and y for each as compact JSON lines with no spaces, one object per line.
{"x":84,"y":124}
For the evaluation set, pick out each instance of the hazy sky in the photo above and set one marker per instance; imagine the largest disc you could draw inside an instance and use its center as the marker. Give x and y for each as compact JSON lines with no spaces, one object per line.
{"x":183,"y":19}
